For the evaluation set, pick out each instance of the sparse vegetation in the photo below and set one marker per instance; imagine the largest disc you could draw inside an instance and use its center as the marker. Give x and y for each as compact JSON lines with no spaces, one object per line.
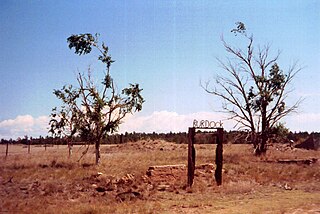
{"x":120,"y":184}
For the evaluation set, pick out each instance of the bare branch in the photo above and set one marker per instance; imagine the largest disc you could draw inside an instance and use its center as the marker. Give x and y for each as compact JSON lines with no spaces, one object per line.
{"x":253,"y":88}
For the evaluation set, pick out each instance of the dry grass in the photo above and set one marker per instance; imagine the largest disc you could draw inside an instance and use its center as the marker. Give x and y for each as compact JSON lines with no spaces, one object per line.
{"x":50,"y":182}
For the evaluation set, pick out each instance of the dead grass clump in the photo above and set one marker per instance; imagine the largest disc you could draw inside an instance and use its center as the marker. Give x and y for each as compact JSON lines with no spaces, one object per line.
{"x":309,"y":187}
{"x":239,"y":187}
{"x":89,"y":210}
{"x":55,"y":164}
{"x":17,"y":166}
{"x":61,"y":164}
{"x":128,"y":196}
{"x":52,"y":188}
{"x":232,"y":158}
{"x":86,"y":165}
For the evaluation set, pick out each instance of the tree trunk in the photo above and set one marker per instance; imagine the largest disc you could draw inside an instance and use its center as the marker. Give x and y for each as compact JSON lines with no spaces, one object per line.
{"x":263,"y":145}
{"x":262,"y":148}
{"x":253,"y":138}
{"x":97,"y":151}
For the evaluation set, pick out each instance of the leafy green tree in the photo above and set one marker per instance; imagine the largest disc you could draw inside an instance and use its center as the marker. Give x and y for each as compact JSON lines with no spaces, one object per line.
{"x":89,"y":110}
{"x":253,"y":88}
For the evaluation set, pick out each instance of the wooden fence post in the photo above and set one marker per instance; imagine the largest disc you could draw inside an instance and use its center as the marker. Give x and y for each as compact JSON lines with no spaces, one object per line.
{"x":29,"y":142}
{"x":219,"y":156}
{"x":191,"y":156}
{"x":7,"y":149}
{"x":121,"y":138}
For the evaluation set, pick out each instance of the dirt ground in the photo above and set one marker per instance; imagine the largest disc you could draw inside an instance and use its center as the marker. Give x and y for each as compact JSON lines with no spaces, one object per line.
{"x":151,"y":176}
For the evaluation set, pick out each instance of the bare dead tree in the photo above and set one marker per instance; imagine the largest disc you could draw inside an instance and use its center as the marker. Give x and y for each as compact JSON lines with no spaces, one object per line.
{"x":253,"y":88}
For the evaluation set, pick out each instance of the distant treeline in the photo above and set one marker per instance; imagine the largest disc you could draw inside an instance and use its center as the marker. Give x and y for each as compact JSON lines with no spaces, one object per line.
{"x":179,"y":138}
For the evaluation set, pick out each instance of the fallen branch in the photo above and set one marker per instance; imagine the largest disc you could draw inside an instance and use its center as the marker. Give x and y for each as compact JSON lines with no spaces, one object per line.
{"x":298,"y":161}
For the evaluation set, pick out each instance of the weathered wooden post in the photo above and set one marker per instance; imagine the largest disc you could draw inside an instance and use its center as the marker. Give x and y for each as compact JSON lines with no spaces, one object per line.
{"x":219,"y":156}
{"x":121,"y":138}
{"x":191,"y":156}
{"x":7,"y":148}
{"x":29,"y":142}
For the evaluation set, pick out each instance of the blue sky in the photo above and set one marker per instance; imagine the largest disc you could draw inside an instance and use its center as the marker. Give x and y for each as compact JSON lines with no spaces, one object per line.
{"x":165,"y":46}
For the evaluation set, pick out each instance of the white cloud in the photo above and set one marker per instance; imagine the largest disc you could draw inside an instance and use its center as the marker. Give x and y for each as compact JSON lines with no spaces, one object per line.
{"x":164,"y":121}
{"x":24,"y":125}
{"x":304,"y":122}
{"x":158,"y":121}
